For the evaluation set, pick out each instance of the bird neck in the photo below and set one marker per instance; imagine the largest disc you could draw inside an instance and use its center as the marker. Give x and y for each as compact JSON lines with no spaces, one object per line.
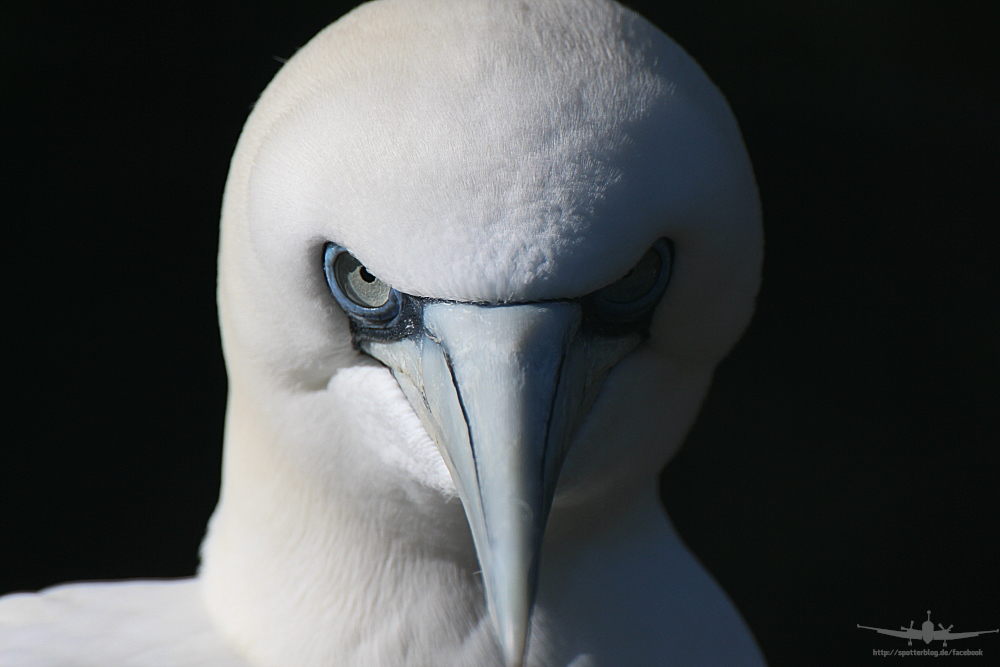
{"x":305,"y":565}
{"x":311,"y":565}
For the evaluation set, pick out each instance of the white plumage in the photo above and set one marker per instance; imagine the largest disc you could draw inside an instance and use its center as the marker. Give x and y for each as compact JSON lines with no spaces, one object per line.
{"x":494,"y":162}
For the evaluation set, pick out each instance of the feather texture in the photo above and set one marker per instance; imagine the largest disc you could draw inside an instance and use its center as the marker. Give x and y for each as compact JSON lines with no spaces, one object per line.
{"x":484,"y":151}
{"x":123,"y":624}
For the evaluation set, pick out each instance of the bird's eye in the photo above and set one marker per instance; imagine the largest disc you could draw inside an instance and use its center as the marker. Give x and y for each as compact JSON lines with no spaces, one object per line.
{"x":359,"y":293}
{"x":358,"y":284}
{"x":638,"y":282}
{"x":632,"y":298}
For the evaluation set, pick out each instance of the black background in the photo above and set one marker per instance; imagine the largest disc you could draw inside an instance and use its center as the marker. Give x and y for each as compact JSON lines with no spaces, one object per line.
{"x":845,"y":466}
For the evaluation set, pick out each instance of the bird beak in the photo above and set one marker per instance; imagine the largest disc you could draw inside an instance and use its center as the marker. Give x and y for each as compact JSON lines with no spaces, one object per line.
{"x":501,"y":390}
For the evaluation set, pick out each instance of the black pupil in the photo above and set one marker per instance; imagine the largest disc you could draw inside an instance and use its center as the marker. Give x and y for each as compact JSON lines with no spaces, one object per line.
{"x":365,"y":276}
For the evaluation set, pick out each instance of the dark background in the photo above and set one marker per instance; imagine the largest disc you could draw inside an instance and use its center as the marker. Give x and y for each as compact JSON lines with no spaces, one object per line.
{"x":845,"y":466}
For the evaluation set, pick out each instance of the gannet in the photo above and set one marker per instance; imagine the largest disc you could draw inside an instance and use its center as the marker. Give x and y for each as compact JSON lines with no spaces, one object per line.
{"x":479,"y":260}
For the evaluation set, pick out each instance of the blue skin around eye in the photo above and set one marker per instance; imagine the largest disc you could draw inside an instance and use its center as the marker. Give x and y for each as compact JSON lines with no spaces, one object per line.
{"x":635,"y":309}
{"x":379,"y":316}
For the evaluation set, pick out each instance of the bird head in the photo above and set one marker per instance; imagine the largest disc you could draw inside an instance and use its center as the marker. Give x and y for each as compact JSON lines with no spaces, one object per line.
{"x":489,"y":251}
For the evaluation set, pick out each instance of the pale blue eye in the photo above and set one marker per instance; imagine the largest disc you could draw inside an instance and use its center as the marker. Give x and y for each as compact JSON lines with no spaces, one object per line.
{"x":358,"y":292}
{"x":358,"y":284}
{"x":634,"y":295}
{"x":638,"y":282}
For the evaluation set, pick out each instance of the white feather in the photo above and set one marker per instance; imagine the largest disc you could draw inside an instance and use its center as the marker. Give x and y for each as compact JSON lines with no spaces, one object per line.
{"x":126,"y":624}
{"x":473,"y":150}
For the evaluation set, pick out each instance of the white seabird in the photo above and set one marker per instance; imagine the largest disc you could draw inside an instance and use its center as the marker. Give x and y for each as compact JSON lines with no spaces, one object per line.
{"x":479,"y":259}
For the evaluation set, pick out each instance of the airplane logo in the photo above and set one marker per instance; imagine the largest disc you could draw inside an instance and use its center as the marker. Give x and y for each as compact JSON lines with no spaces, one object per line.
{"x":927,"y":632}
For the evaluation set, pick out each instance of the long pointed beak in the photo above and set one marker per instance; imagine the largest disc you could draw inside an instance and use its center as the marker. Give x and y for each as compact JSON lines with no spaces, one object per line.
{"x":501,"y":390}
{"x":485,"y":381}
